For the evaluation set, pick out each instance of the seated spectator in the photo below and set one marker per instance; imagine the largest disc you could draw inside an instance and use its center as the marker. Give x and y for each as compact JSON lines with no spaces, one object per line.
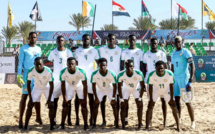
{"x":149,"y":40}
{"x":168,"y":41}
{"x":161,"y":41}
{"x":15,"y":52}
{"x":96,"y":42}
{"x":192,"y":50}
{"x":126,"y":42}
{"x":103,"y":41}
{"x":163,"y":49}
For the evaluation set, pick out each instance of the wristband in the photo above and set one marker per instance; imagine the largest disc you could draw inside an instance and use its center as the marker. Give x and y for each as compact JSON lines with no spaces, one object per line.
{"x":139,"y":99}
{"x":121,"y":100}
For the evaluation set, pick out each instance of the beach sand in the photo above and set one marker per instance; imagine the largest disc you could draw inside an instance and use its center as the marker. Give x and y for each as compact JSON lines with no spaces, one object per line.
{"x":203,"y":106}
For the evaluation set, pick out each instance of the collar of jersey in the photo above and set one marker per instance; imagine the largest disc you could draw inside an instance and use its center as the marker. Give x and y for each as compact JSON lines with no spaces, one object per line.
{"x":102,"y":75}
{"x":154,"y":52}
{"x":39,"y":72}
{"x":160,"y":76}
{"x":131,"y":75}
{"x":61,"y":51}
{"x":86,"y":48}
{"x":74,"y":72}
{"x":111,"y":48}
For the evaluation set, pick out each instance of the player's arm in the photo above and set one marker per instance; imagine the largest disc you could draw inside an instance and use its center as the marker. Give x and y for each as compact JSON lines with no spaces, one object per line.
{"x":114,"y":90}
{"x":192,"y":71}
{"x":84,"y":83}
{"x":21,"y":61}
{"x":144,"y":69}
{"x":63,"y":89}
{"x":51,"y":84}
{"x":122,"y":64}
{"x":171,"y":91}
{"x":143,"y":88}
{"x":172,"y":68}
{"x":94,"y":91}
{"x":29,"y":90}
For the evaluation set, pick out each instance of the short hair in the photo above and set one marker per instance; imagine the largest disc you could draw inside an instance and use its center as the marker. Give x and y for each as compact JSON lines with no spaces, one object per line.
{"x":38,"y":58}
{"x":131,"y":35}
{"x":60,"y":36}
{"x":31,"y":33}
{"x":129,"y":61}
{"x":71,"y":58}
{"x":153,"y":39}
{"x":110,"y":35}
{"x":70,"y":39}
{"x":85,"y":35}
{"x":102,"y":60}
{"x":178,"y":37}
{"x":191,"y":43}
{"x":160,"y":62}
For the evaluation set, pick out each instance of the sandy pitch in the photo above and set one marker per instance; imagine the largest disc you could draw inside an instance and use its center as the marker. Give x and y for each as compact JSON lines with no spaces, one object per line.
{"x":203,"y":106}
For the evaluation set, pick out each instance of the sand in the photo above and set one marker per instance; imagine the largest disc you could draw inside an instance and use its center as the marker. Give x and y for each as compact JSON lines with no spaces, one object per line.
{"x":203,"y":106}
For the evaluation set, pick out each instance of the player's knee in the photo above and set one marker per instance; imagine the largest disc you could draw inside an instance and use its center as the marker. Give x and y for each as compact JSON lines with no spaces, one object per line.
{"x":114,"y":106}
{"x":150,"y":107}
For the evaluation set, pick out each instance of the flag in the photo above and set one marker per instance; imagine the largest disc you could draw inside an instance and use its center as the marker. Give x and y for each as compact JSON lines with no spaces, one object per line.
{"x":145,"y":12}
{"x":176,"y":8}
{"x":208,"y":12}
{"x":35,"y":13}
{"x":119,"y":10}
{"x":88,"y":9}
{"x":10,"y":16}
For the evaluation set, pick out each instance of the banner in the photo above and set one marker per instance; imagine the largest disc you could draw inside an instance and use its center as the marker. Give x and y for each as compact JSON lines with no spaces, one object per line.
{"x":185,"y":34}
{"x":123,"y":34}
{"x":52,"y":35}
{"x":205,"y":75}
{"x":7,"y":64}
{"x":10,"y":78}
{"x":2,"y":78}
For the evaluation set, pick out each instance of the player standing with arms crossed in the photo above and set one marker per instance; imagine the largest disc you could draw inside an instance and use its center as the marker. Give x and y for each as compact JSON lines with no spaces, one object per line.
{"x":27,"y":54}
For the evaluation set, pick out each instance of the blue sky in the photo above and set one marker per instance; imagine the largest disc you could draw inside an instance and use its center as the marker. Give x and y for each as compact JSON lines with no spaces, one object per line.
{"x":55,"y":13}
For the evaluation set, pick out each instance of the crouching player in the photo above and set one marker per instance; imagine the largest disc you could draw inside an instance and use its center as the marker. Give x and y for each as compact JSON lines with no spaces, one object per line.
{"x":105,"y":80}
{"x":77,"y":83}
{"x":160,"y":81}
{"x":131,"y":79}
{"x":43,"y":84}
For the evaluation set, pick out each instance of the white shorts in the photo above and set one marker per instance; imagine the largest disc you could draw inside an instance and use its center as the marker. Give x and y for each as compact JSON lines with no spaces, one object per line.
{"x":102,"y":93}
{"x":159,"y":93}
{"x":126,"y":93}
{"x":57,"y":88}
{"x":36,"y":94}
{"x":70,"y":92}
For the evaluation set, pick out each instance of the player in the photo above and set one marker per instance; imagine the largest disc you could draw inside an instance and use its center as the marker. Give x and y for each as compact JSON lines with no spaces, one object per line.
{"x":86,"y":56}
{"x":134,"y":54}
{"x":149,"y":60}
{"x":59,"y":58}
{"x":182,"y":59}
{"x":27,"y":55}
{"x":77,"y":80}
{"x":43,"y":80}
{"x":105,"y":80}
{"x":160,"y":81}
{"x":131,"y":79}
{"x":112,"y":53}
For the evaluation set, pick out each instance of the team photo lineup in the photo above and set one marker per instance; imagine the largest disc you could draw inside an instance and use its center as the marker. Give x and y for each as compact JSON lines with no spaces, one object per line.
{"x":90,"y":76}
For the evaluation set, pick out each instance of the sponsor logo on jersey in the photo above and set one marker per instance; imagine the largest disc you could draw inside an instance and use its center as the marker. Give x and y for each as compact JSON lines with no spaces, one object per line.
{"x":165,"y":80}
{"x":116,"y":53}
{"x":98,"y":78}
{"x":137,"y":53}
{"x":203,"y":76}
{"x":90,"y":52}
{"x":181,"y":54}
{"x":135,"y":78}
{"x":44,"y":77}
{"x":77,"y":77}
{"x":200,"y":63}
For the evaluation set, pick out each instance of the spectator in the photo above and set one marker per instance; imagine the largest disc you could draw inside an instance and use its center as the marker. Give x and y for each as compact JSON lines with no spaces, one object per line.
{"x":161,"y":41}
{"x":43,"y":55}
{"x":18,"y":47}
{"x":149,"y":40}
{"x":168,"y":41}
{"x":15,"y":52}
{"x":116,"y":42}
{"x":163,"y":49}
{"x":126,"y":43}
{"x":71,"y":43}
{"x":103,"y":41}
{"x":96,"y":42}
{"x":192,"y":50}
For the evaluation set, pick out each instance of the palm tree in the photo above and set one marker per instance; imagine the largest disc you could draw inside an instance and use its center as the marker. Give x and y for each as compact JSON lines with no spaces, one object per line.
{"x":24,"y":28}
{"x":184,"y":24}
{"x":78,"y":19}
{"x":10,"y":33}
{"x":109,"y":27}
{"x":143,"y":24}
{"x":210,"y":25}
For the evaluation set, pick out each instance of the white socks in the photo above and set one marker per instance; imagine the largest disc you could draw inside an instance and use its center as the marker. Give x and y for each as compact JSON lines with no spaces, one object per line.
{"x":193,"y":125}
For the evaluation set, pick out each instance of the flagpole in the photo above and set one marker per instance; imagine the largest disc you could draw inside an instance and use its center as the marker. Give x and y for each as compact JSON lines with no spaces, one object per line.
{"x":202,"y":20}
{"x":35,"y":26}
{"x":171,"y":14}
{"x":94,"y":21}
{"x":112,"y":14}
{"x":82,"y":17}
{"x":178,"y":19}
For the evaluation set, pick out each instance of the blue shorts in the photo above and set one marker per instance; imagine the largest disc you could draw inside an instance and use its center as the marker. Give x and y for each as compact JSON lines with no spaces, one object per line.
{"x":180,"y":82}
{"x":24,"y":87}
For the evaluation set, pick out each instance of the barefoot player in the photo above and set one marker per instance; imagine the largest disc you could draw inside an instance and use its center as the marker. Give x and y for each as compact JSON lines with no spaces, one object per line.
{"x":43,"y":84}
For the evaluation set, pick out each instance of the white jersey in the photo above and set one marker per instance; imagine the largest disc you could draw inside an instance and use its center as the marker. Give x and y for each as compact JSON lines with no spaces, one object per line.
{"x":150,"y":59}
{"x":59,"y":59}
{"x":104,"y":82}
{"x":41,"y":80}
{"x":113,"y":57}
{"x":161,"y":82}
{"x":130,"y":83}
{"x":86,"y":58}
{"x":134,"y":54}
{"x":74,"y":80}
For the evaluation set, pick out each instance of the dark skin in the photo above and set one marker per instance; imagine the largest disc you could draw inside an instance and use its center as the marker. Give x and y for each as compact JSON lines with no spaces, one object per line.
{"x":67,"y":103}
{"x":160,"y":69}
{"x":178,"y":45}
{"x":40,"y":67}
{"x":103,"y":70}
{"x":86,"y":44}
{"x":129,"y":71}
{"x":154,"y":45}
{"x":132,"y":42}
{"x":32,"y":42}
